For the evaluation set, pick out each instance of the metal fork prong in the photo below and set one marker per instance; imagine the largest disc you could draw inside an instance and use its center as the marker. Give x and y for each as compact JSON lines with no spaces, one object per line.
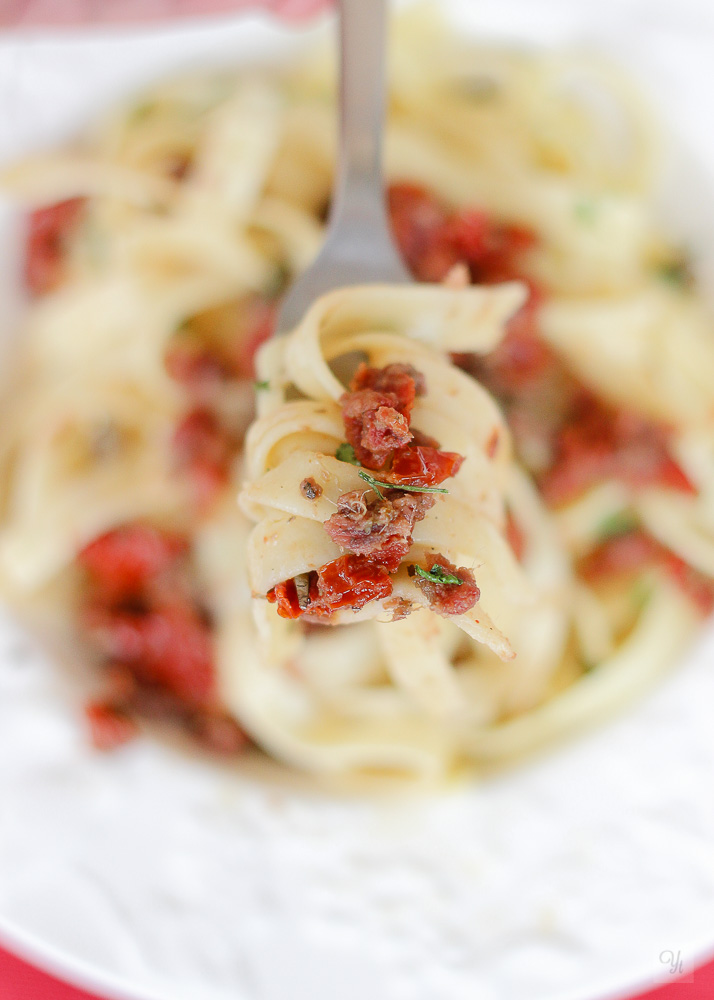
{"x":359,"y":247}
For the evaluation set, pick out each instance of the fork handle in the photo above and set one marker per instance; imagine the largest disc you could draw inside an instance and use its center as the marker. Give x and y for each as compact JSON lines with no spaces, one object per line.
{"x":360,"y":186}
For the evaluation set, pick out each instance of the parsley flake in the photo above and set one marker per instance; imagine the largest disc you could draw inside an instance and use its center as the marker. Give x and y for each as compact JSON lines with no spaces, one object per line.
{"x":437,"y":574}
{"x":346,"y":453}
{"x":675,"y":272}
{"x":262,"y":385}
{"x":619,"y":523}
{"x":586,"y":211}
{"x":376,"y":484}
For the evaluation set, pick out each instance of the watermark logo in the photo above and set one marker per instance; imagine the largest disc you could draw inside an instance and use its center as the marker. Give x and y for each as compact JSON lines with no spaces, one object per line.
{"x":675,"y":966}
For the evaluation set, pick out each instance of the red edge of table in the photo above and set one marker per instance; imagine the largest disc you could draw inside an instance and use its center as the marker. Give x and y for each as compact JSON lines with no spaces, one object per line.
{"x":20,"y":981}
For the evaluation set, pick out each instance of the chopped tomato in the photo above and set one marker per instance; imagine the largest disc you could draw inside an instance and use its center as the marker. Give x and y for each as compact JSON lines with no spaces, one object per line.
{"x":374,"y":426}
{"x":378,"y":527}
{"x":403,"y":381}
{"x":521,"y":359}
{"x":698,"y":587}
{"x":599,"y":442}
{"x":122,"y":562}
{"x":193,"y":365}
{"x":48,"y":233}
{"x":488,"y":247}
{"x":348,"y":582}
{"x":109,"y":727}
{"x":261,"y":327}
{"x":377,"y":410}
{"x":432,"y":239}
{"x":634,"y":551}
{"x":417,"y":221}
{"x":448,"y":598}
{"x":111,"y":724}
{"x":218,"y":731}
{"x":423,"y":466}
{"x":168,"y":645}
{"x":204,"y":451}
{"x":625,"y":553}
{"x":515,"y":536}
{"x":285,"y":596}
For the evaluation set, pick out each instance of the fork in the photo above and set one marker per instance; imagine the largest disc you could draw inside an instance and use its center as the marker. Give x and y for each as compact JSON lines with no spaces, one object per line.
{"x":359,"y":247}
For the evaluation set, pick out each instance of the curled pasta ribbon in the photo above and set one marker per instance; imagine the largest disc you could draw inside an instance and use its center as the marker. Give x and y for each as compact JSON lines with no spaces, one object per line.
{"x":381,"y":689}
{"x":299,"y":439}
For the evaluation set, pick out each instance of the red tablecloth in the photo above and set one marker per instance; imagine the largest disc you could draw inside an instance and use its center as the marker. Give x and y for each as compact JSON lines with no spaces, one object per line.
{"x":19,"y":981}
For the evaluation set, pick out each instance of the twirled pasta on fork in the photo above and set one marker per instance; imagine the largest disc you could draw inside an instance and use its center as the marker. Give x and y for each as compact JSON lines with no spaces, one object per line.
{"x":385,"y":496}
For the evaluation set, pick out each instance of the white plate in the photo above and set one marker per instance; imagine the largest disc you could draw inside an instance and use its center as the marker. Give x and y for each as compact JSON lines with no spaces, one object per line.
{"x":151,"y":874}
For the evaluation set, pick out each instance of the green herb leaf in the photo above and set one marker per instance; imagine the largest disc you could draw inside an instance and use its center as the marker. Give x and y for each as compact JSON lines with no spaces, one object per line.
{"x":279,"y":280}
{"x":675,"y":272}
{"x":619,"y":523}
{"x":376,"y":483}
{"x":586,"y":211}
{"x":262,"y":385}
{"x":437,"y":574}
{"x":641,"y":594}
{"x":346,"y":453}
{"x":142,"y":111}
{"x":477,"y":88}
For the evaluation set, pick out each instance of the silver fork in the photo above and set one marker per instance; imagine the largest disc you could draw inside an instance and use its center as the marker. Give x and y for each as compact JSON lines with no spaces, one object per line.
{"x":359,"y":247}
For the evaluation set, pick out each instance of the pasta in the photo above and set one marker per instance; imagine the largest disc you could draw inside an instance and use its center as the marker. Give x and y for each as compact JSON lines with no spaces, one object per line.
{"x":179,"y":490}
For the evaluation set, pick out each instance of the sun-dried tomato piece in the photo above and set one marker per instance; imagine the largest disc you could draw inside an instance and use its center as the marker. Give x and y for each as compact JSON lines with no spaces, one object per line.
{"x":634,"y":551}
{"x":218,"y":732}
{"x":515,"y":536}
{"x":697,"y":587}
{"x":203,"y":449}
{"x":490,"y":248}
{"x":448,"y":598}
{"x":122,"y":562}
{"x":417,"y":219}
{"x":194,"y":365}
{"x":261,"y":327}
{"x":521,"y":359}
{"x":403,"y":380}
{"x":374,"y":425}
{"x":378,"y":528}
{"x":109,"y":727}
{"x":599,"y":442}
{"x":168,"y":645}
{"x":624,"y":553}
{"x":49,"y":230}
{"x":348,"y":582}
{"x":285,"y":596}
{"x":424,"y":466}
{"x":432,"y":239}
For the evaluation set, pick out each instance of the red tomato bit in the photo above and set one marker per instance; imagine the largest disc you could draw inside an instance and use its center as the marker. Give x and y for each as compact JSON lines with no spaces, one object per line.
{"x":404,"y":381}
{"x":168,"y":645}
{"x":204,"y":450}
{"x":515,"y":536}
{"x":109,"y":727}
{"x":374,"y":425}
{"x":121,"y":563}
{"x":49,"y":231}
{"x":635,"y":551}
{"x":448,"y":598}
{"x":378,"y":528}
{"x":432,"y":239}
{"x":348,"y":582}
{"x":600,"y":442}
{"x":423,"y":466}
